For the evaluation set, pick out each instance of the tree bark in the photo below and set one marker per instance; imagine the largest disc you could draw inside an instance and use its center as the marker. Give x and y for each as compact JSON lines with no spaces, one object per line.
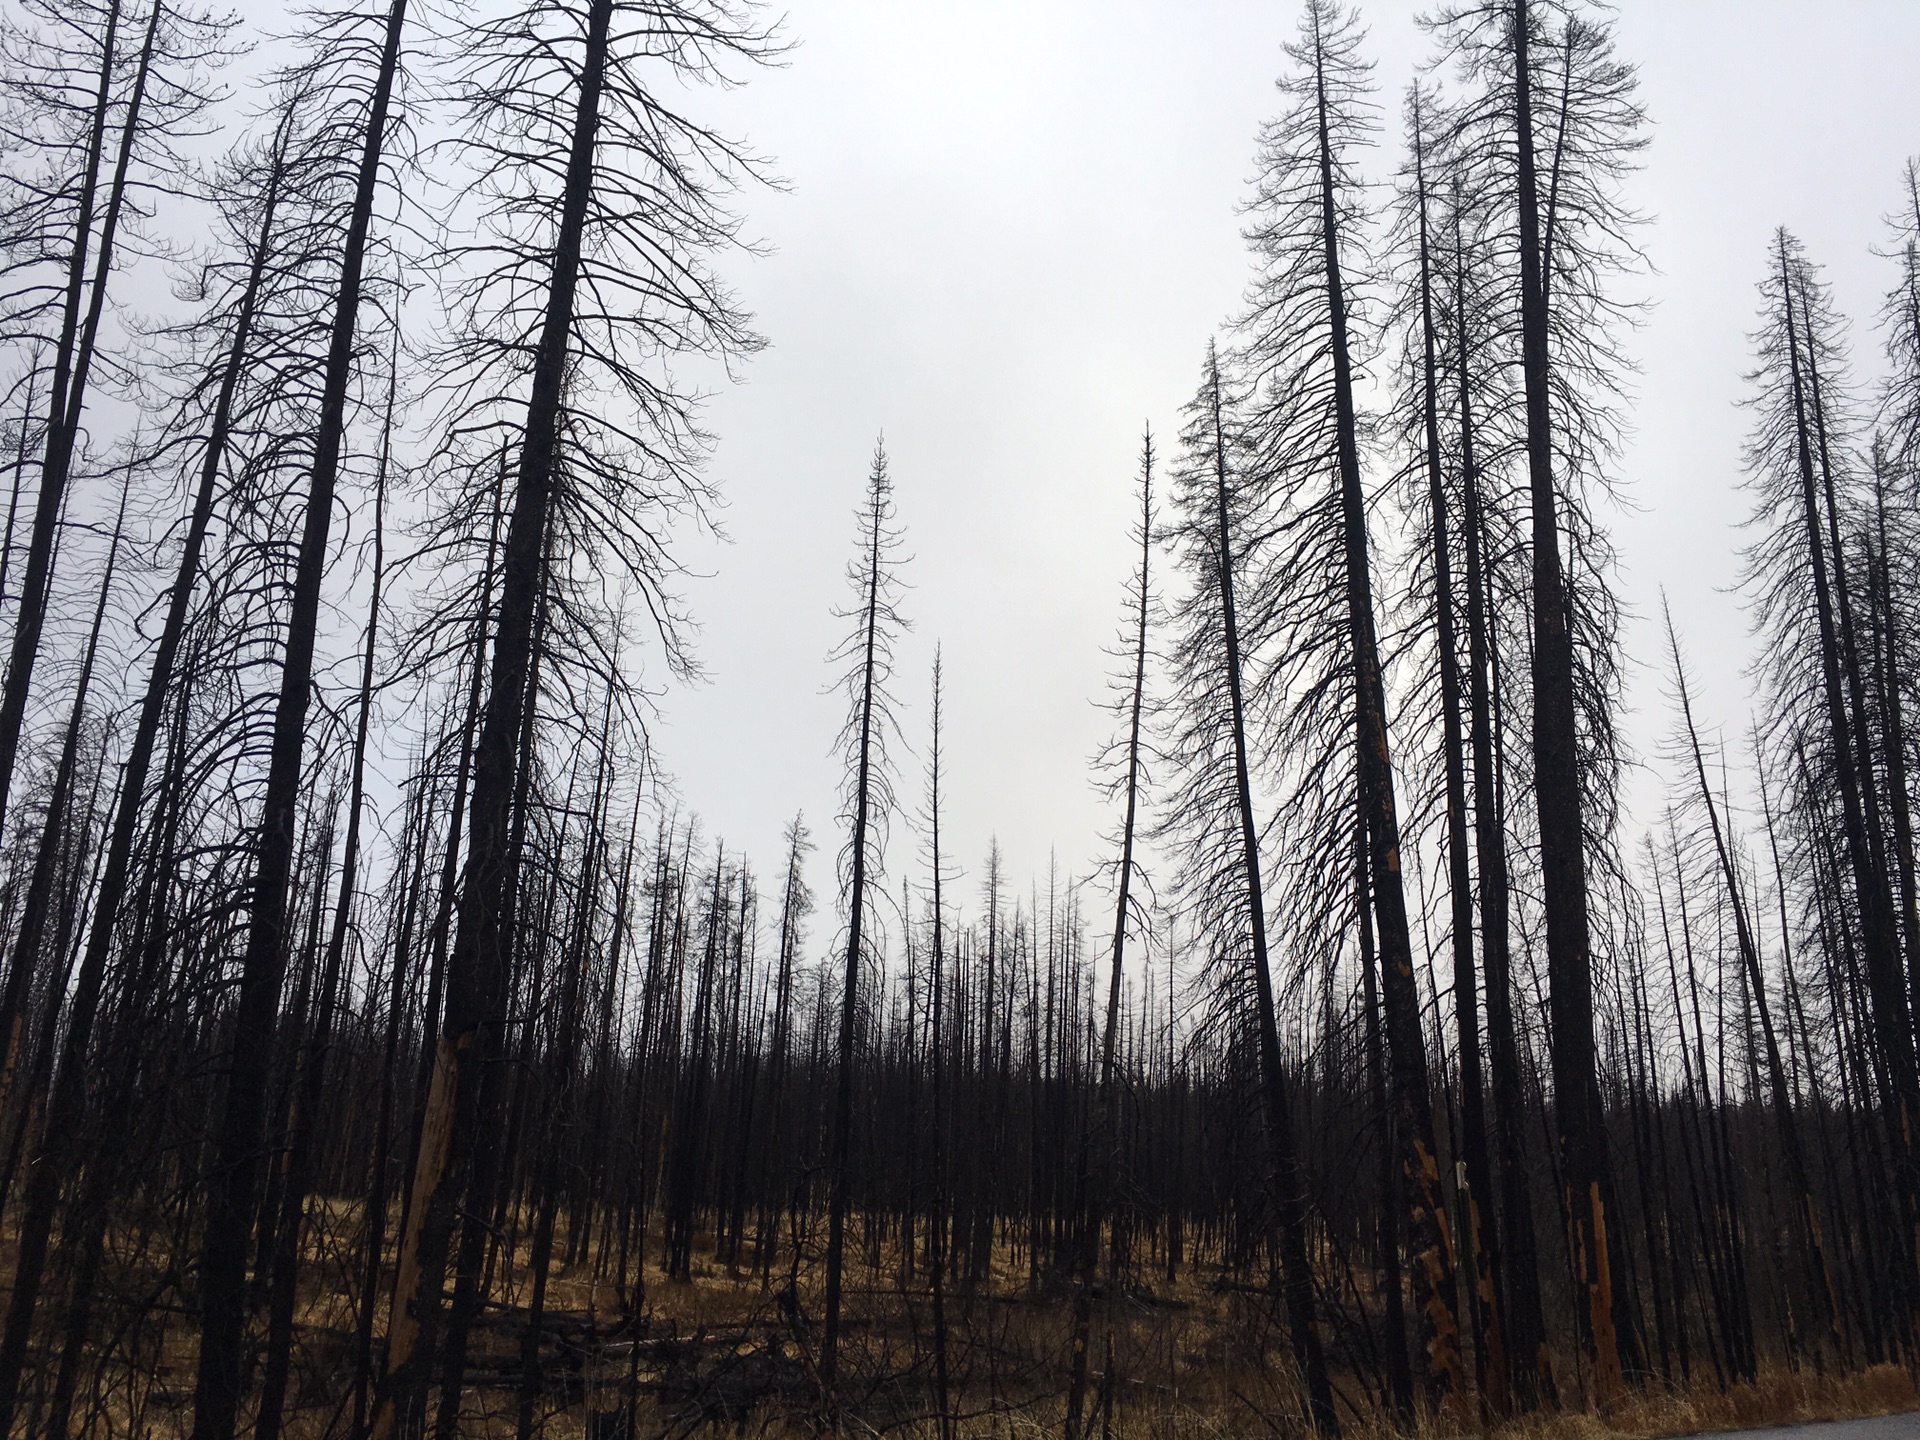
{"x":477,"y":964}
{"x":1406,"y":1045}
{"x":233,"y":1179}
{"x":1586,"y":1171}
{"x":1289,"y":1185}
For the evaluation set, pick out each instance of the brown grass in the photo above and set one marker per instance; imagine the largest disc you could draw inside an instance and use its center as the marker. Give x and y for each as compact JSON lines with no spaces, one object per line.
{"x":719,"y":1354}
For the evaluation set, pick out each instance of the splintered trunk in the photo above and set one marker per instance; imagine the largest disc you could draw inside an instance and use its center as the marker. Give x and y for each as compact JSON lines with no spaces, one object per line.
{"x":490,"y":1170}
{"x":399,"y":1004}
{"x":1586,"y":1172}
{"x":1400,"y":997}
{"x":440,"y":935}
{"x":1286,"y":1177}
{"x":233,"y":1179}
{"x":477,"y":965}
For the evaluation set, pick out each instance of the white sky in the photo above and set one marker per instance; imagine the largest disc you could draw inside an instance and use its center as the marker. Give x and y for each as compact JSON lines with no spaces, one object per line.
{"x":1010,"y":230}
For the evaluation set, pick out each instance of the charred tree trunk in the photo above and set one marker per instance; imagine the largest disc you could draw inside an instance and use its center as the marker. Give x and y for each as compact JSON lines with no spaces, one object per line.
{"x":1531,"y":1371}
{"x":1406,"y":1046}
{"x":233,"y":1180}
{"x":284,"y":1287}
{"x":72,"y":367}
{"x":1586,"y":1172}
{"x":1096,"y":1192}
{"x":1807,"y":1210}
{"x":476,"y":969}
{"x":865,"y":724}
{"x":1288,"y":1182}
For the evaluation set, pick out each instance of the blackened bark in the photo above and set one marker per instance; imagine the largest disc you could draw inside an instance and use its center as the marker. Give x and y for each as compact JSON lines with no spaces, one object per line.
{"x":233,"y":1180}
{"x":476,"y":969}
{"x":284,"y":1286}
{"x":1806,"y":1207}
{"x":1392,"y":1204}
{"x":1531,"y":1371}
{"x":840,"y":1163}
{"x":1406,"y":1045}
{"x":1585,"y":1167}
{"x":72,"y":367}
{"x":1286,"y":1178}
{"x":1094,"y":1202}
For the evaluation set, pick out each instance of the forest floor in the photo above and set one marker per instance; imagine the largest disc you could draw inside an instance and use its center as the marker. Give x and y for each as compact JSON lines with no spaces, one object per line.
{"x":729,"y":1351}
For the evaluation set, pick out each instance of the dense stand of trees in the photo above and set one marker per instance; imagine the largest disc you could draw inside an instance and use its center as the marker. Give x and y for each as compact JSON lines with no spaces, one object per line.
{"x":384,"y":1048}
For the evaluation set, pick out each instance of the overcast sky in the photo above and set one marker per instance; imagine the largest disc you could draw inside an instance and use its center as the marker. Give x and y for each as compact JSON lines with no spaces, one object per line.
{"x":1009,"y":231}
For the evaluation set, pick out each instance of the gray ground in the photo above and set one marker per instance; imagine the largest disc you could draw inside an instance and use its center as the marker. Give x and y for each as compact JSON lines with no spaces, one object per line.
{"x":1874,"y":1427}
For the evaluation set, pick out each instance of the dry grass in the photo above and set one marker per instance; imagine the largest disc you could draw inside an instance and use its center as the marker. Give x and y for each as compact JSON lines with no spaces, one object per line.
{"x":723,"y":1353}
{"x":1779,"y":1397}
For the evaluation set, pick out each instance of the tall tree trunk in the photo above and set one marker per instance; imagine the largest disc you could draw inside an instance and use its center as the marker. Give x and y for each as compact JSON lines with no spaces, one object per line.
{"x":489,"y":1175}
{"x":1531,"y":1372}
{"x":440,"y":936}
{"x":399,"y":1003}
{"x":936,"y":1053}
{"x":840,"y":1163}
{"x":286,"y":1261}
{"x":1286,"y":1178}
{"x":1406,"y":1045}
{"x":72,"y":367}
{"x":476,"y":967}
{"x":1392,"y":1282}
{"x":1586,"y":1172}
{"x":233,"y":1180}
{"x":1490,"y":1350}
{"x":1096,"y":1193}
{"x":1806,"y":1207}
{"x":560,"y":1102}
